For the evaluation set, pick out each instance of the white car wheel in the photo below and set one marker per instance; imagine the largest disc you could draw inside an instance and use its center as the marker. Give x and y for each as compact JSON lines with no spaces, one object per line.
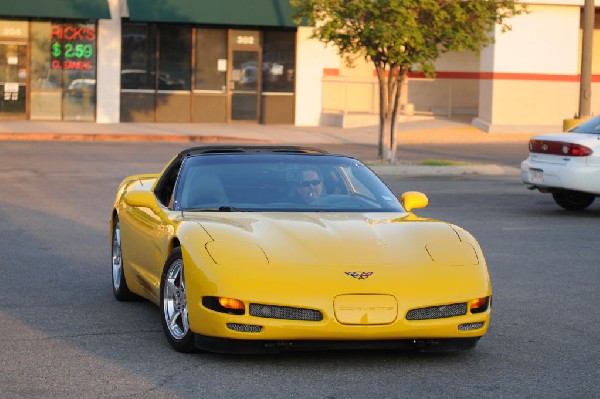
{"x":573,"y":201}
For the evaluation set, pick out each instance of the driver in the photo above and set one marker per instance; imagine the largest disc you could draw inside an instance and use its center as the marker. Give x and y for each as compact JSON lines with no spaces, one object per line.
{"x":310,"y":185}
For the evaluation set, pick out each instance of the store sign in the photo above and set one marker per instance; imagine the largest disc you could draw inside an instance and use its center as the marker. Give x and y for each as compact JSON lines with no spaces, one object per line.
{"x":14,"y":29}
{"x":11,"y":91}
{"x":245,"y":38}
{"x":73,"y":47}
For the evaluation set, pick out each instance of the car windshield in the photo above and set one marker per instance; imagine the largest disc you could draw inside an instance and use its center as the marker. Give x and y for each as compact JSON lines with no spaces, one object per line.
{"x":591,"y":126}
{"x":280,"y":182}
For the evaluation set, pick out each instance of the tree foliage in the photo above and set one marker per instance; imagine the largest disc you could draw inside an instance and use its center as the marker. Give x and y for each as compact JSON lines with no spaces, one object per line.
{"x":399,"y":36}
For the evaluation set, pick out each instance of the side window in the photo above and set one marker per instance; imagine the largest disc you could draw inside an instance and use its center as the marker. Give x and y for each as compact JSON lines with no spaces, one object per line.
{"x":166,"y":185}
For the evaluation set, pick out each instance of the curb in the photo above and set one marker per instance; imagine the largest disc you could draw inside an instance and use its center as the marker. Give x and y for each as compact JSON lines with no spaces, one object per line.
{"x":423,"y":170}
{"x":124,"y":137}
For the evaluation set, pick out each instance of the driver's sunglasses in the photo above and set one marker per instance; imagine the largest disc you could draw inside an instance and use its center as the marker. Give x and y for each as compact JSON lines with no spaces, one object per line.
{"x":308,"y":183}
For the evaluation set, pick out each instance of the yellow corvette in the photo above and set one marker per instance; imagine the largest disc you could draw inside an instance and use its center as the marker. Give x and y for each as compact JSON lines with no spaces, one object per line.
{"x":267,"y":248}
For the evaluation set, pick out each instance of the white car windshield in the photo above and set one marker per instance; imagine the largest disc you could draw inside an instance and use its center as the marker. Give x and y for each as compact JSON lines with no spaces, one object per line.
{"x":279,"y":183}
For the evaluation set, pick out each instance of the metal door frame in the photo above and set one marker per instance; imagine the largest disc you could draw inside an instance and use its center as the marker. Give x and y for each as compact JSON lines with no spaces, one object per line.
{"x":232,"y":46}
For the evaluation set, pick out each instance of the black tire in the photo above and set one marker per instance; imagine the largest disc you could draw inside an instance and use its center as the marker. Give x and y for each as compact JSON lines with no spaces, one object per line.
{"x":119,"y":284}
{"x":572,"y":200}
{"x":173,"y":305}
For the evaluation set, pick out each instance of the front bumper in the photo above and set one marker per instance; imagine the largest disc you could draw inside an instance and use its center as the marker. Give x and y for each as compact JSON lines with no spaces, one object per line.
{"x":245,"y":333}
{"x":400,"y":305}
{"x":224,"y":345}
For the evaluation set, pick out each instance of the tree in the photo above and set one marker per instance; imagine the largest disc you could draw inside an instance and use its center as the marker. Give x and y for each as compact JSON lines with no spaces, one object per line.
{"x":398,"y":36}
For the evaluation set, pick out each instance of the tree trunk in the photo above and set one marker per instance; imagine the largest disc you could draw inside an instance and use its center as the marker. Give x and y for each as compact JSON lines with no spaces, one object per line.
{"x":381,"y":151}
{"x":388,"y":89}
{"x":400,"y":78}
{"x":389,"y":102}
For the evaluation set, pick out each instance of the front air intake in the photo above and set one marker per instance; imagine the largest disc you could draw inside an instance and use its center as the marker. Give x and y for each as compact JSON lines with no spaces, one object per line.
{"x":437,"y":312}
{"x":247,"y":328}
{"x":470,"y":326}
{"x":284,"y":312}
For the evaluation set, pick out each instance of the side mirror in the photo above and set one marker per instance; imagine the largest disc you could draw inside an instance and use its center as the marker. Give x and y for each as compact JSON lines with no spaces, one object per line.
{"x":141,"y":199}
{"x":413,"y":199}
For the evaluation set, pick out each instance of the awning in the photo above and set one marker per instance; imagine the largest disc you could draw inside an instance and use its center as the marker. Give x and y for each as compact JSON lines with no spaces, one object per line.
{"x":217,"y":12}
{"x":68,"y":9}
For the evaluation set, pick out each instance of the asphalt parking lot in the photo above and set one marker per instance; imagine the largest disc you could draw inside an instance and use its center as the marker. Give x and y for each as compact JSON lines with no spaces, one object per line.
{"x":62,"y":334}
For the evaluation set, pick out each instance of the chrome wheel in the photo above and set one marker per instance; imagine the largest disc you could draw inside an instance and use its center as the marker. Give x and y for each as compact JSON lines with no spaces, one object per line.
{"x":117,"y":258}
{"x":175,"y":309}
{"x":120,"y":289}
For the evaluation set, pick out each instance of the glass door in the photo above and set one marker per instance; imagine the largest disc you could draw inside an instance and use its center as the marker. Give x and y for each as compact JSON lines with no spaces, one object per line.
{"x":244,"y":85}
{"x":13,"y":80}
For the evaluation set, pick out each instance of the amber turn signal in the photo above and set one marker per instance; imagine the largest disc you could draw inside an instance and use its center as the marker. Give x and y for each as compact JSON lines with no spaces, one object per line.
{"x":231,"y":303}
{"x":479,"y":305}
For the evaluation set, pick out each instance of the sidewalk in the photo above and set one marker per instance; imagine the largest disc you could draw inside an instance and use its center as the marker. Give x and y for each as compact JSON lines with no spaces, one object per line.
{"x":439,"y":130}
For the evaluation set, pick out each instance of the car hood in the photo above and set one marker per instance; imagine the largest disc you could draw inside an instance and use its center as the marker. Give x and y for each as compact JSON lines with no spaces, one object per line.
{"x":324,"y":238}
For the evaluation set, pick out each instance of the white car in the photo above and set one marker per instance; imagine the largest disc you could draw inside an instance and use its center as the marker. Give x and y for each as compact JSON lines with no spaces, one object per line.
{"x":567,"y":165}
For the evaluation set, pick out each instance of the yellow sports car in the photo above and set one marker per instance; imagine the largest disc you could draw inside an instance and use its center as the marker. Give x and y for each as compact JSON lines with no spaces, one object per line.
{"x":253,"y":249}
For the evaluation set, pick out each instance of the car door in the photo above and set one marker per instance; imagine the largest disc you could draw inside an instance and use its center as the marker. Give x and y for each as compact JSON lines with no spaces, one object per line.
{"x":147,"y":233}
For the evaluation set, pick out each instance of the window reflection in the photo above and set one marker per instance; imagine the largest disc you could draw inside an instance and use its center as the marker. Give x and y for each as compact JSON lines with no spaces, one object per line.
{"x":78,"y":55}
{"x":211,"y":59}
{"x":63,"y":70}
{"x":174,"y":63}
{"x":138,"y":58}
{"x":279,"y":65}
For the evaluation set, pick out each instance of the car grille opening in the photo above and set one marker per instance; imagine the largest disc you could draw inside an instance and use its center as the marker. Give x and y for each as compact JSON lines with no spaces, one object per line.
{"x":284,"y":312}
{"x":437,"y":312}
{"x":470,"y":326}
{"x":247,"y":328}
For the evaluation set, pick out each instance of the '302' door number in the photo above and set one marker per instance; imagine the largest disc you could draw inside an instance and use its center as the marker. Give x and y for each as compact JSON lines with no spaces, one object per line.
{"x":247,"y":40}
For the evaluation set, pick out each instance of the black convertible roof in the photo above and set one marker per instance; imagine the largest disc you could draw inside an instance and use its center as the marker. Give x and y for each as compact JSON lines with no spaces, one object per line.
{"x":250,"y":149}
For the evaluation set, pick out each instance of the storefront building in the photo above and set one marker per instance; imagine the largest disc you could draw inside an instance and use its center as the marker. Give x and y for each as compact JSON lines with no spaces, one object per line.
{"x":527,"y":81}
{"x":237,"y":61}
{"x":48,"y":61}
{"x":139,"y":61}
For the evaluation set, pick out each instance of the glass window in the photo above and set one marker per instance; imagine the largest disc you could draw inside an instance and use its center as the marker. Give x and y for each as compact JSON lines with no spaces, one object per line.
{"x":63,"y":70}
{"x":590,"y":126}
{"x":43,"y":76}
{"x":74,"y":50}
{"x":211,"y":59}
{"x":46,"y":82}
{"x":279,"y":61}
{"x":174,"y":63}
{"x":281,"y":183}
{"x":138,"y":58}
{"x":13,"y":78}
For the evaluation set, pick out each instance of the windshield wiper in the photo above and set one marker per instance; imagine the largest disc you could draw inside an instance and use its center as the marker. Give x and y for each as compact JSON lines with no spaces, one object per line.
{"x":219,"y":209}
{"x":230,"y":209}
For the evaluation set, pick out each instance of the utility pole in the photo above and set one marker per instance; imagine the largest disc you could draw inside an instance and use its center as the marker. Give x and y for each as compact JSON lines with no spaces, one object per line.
{"x":585,"y":87}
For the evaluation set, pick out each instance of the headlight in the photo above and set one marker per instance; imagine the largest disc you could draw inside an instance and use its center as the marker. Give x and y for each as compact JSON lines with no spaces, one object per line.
{"x":225,"y":252}
{"x":452,"y":253}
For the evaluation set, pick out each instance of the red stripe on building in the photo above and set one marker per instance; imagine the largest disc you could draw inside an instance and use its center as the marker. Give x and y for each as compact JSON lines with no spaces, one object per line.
{"x":331,"y":72}
{"x":486,"y":76}
{"x":504,"y":76}
{"x":530,"y":76}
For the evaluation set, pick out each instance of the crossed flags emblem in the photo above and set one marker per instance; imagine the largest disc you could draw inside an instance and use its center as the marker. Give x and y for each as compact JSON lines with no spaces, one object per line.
{"x":359,"y":275}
